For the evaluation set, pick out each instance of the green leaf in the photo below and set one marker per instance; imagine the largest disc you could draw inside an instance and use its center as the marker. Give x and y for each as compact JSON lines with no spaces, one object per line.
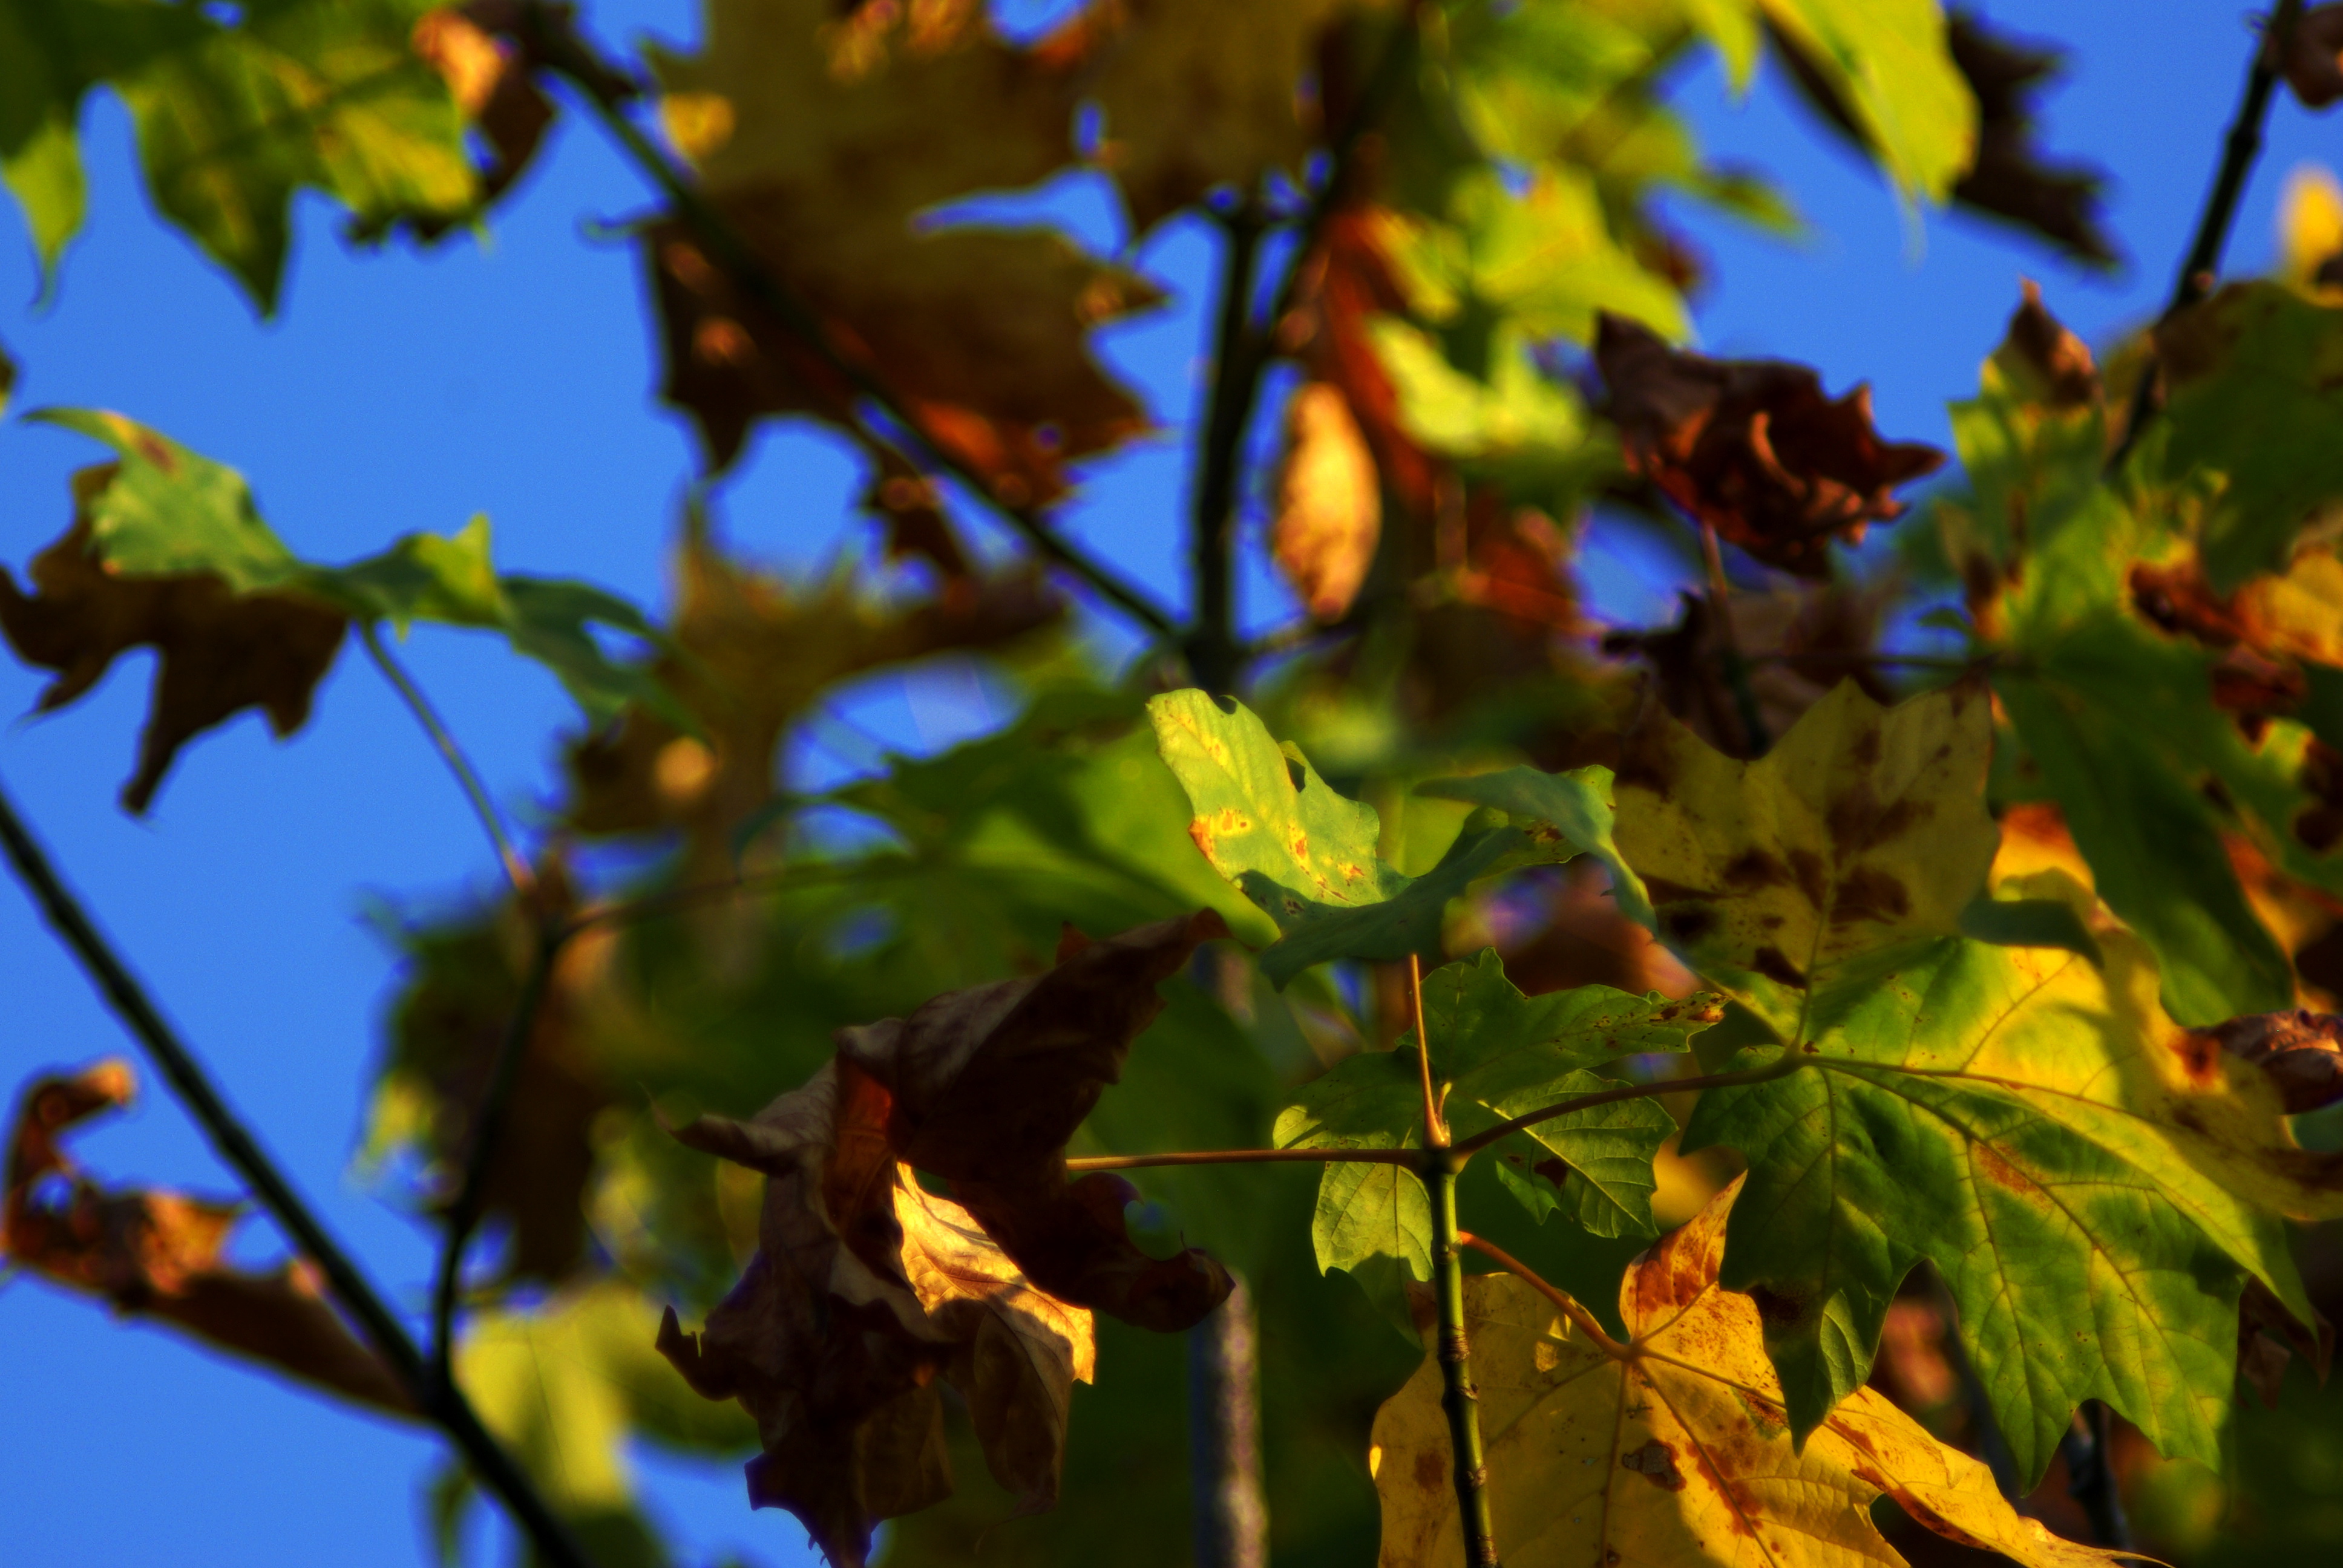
{"x":1306,"y":855}
{"x":2030,"y":923}
{"x":234,"y":120}
{"x":1496,"y":1054}
{"x":171,"y":512}
{"x":1864,"y":826}
{"x":2255,"y":375}
{"x":1888,"y":60}
{"x":1576,"y":804}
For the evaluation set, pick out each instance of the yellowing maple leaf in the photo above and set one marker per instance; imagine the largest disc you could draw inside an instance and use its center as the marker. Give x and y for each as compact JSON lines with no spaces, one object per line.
{"x":1672,"y":1448}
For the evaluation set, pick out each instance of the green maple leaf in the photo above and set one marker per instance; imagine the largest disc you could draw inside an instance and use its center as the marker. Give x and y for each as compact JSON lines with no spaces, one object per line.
{"x":1306,"y":856}
{"x":234,"y":118}
{"x":2093,"y":1184}
{"x":1497,"y":1054}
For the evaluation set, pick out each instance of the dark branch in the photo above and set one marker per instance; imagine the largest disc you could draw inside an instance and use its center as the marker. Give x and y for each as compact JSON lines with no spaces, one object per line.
{"x":439,"y":1401}
{"x":1210,"y":643}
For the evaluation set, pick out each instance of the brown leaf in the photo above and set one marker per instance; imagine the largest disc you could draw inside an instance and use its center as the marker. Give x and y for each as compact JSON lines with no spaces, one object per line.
{"x":2302,"y":1051}
{"x":988,"y":1083}
{"x":156,"y":1255}
{"x":2042,"y":361}
{"x":219,"y":651}
{"x":492,"y":78}
{"x":864,"y":1290}
{"x":2314,"y":56}
{"x":752,"y":655}
{"x":2269,"y":1336}
{"x":1345,"y":286}
{"x":1329,"y":502}
{"x":1752,"y":447}
{"x":914,"y":514}
{"x":1199,"y":95}
{"x":2010,"y":179}
{"x":823,"y":140}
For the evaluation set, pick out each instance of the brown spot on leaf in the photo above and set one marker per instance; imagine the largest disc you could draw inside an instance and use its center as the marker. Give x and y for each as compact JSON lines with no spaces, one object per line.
{"x":1867,"y":893}
{"x":1755,"y":869}
{"x":1429,"y":1474}
{"x":1657,"y":1463}
{"x":1774,"y":965}
{"x":1776,"y":1310}
{"x":1814,"y":877}
{"x":1687,"y":924}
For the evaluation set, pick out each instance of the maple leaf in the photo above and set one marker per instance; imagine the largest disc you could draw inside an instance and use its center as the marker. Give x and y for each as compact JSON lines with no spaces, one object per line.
{"x":1306,"y":856}
{"x":2010,"y":179}
{"x":221,"y":652}
{"x":823,"y":142}
{"x":864,"y":1291}
{"x":1329,"y":504}
{"x":1753,"y":447}
{"x":1496,"y":1054}
{"x":158,"y":1254}
{"x":1673,"y":1446}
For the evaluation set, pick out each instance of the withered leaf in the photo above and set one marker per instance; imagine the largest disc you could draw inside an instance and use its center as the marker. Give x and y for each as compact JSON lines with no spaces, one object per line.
{"x":1329,"y":503}
{"x":1753,"y":447}
{"x":988,"y":1085}
{"x":2313,"y":63}
{"x":219,"y":651}
{"x":865,"y":1289}
{"x":492,"y":78}
{"x":2302,"y":1052}
{"x":157,"y":1254}
{"x":2011,"y":179}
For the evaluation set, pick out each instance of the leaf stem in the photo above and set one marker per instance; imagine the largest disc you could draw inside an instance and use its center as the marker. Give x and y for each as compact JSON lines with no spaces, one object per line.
{"x":468,"y":777}
{"x":1458,"y":1397}
{"x":1436,"y":1126}
{"x":1561,"y":1298}
{"x":488,"y":1132}
{"x":556,"y":44}
{"x":1210,"y":642}
{"x":1788,"y":1064}
{"x":1408,"y":1157}
{"x":2198,"y":268}
{"x":442,"y":1402}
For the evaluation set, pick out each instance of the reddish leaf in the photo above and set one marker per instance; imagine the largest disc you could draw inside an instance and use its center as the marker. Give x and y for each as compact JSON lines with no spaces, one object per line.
{"x":157,"y":1254}
{"x":220,"y":651}
{"x":1329,"y":502}
{"x":1752,"y":447}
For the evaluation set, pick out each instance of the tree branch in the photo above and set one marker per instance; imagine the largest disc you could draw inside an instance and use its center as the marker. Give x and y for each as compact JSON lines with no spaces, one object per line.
{"x":440,"y":1402}
{"x":1561,"y":1299}
{"x":468,"y":777}
{"x":1788,"y":1064}
{"x":1458,"y":1397}
{"x":2199,"y":267}
{"x":1407,"y":1157}
{"x":488,"y":1132}
{"x":1210,"y":643}
{"x":558,"y":45}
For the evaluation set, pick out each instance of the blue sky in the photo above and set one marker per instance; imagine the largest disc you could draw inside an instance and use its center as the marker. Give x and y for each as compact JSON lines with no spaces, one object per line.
{"x":398,"y":391}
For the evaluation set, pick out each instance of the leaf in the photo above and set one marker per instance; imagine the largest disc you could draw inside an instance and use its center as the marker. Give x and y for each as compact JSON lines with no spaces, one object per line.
{"x":2010,"y":179}
{"x":234,"y":118}
{"x":158,"y":1254}
{"x":798,"y":126}
{"x":169,"y":550}
{"x":1753,"y":449}
{"x":1891,"y":68}
{"x":220,"y":651}
{"x":1577,"y":805}
{"x":1306,"y":856}
{"x":1864,"y":826}
{"x":1328,"y":507}
{"x":1496,"y":1054}
{"x":2301,"y":1051}
{"x":864,"y":1289}
{"x":2313,"y":65}
{"x":2251,"y":374}
{"x":1672,"y":1447}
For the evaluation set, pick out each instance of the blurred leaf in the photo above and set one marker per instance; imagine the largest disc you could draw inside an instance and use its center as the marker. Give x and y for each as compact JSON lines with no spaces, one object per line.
{"x":1887,"y":67}
{"x":1672,"y":1447}
{"x":2010,"y":179}
{"x":234,"y":118}
{"x":1577,"y":805}
{"x":1329,"y":504}
{"x":1270,"y":824}
{"x":167,"y":550}
{"x":157,"y":1254}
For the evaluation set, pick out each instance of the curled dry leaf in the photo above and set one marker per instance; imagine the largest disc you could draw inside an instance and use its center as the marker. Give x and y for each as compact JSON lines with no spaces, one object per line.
{"x":1672,"y":1447}
{"x":1753,"y":447}
{"x":154,"y":1254}
{"x":219,"y":651}
{"x":1329,"y":502}
{"x":2043,"y":362}
{"x":2313,"y":61}
{"x":2301,"y":1051}
{"x":2010,"y":179}
{"x":864,"y":1291}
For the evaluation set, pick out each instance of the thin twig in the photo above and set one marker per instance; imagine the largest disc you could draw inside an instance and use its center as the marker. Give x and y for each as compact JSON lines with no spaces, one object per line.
{"x":488,"y":1132}
{"x":1561,"y":1299}
{"x":1408,"y":1157}
{"x":1782,"y":1068}
{"x":2199,"y":268}
{"x":1436,"y":1125}
{"x":1458,"y":1397}
{"x":468,"y":777}
{"x":1210,"y":643}
{"x":440,"y":1402}
{"x":563,"y":52}
{"x":2091,"y":1476}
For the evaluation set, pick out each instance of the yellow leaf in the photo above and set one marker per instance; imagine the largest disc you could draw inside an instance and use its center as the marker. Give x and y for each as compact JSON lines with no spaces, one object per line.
{"x":1329,"y":502}
{"x":1672,"y":1449}
{"x":2310,"y":225}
